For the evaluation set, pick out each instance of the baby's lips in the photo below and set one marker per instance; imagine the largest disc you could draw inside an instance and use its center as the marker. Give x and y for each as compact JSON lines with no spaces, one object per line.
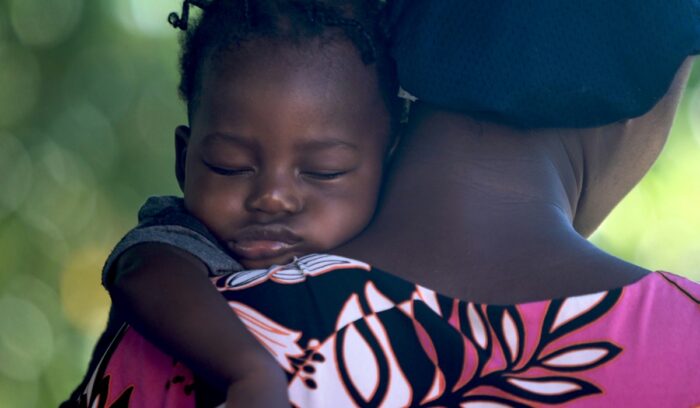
{"x":274,"y":233}
{"x":260,"y":249}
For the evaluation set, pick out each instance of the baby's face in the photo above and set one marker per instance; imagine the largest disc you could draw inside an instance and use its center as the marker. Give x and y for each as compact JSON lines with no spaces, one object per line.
{"x":285,"y":152}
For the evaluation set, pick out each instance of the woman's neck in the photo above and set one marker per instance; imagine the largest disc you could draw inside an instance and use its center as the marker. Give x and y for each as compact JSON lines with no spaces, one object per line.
{"x":473,"y":207}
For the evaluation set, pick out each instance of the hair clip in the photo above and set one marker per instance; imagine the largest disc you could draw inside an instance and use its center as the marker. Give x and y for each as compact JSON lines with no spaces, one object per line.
{"x":181,"y":21}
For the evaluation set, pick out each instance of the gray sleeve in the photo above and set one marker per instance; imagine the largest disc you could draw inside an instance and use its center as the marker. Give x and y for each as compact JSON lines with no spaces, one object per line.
{"x":216,"y":260}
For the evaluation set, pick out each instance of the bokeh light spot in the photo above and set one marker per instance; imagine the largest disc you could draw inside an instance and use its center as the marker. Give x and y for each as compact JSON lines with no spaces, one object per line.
{"x":19,"y":83}
{"x":64,"y":193}
{"x":16,"y":171}
{"x":39,"y":293}
{"x":85,"y":302}
{"x":5,"y":29}
{"x":86,"y":131}
{"x":71,"y":357}
{"x":104,"y":76}
{"x":44,"y":22}
{"x":18,"y":394}
{"x":147,"y":17}
{"x":26,"y":339}
{"x":158,"y":134}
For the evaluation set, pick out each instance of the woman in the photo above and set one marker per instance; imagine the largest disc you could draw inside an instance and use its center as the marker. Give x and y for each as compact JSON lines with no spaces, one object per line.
{"x":499,"y":213}
{"x":491,"y":215}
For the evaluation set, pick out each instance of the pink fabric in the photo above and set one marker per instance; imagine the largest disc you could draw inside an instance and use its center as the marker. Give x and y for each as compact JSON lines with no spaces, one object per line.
{"x":635,"y":346}
{"x":134,"y":373}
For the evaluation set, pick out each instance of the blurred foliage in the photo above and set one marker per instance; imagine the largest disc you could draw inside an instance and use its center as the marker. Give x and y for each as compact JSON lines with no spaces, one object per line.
{"x":88,"y":104}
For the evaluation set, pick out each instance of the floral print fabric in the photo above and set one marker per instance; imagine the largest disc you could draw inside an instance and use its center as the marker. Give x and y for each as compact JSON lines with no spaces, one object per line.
{"x":348,"y":335}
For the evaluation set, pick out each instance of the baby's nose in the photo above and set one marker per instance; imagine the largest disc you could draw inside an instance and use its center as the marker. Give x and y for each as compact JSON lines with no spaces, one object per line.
{"x":275,"y":194}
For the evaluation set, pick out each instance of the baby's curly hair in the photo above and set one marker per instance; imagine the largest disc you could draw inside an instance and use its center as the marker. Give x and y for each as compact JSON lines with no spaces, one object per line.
{"x":225,"y":24}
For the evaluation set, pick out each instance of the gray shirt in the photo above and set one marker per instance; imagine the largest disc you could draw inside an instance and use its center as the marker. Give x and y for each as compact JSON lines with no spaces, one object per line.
{"x":165,"y":220}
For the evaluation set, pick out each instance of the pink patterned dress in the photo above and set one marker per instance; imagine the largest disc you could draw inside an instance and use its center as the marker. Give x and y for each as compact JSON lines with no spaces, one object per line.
{"x":348,"y":335}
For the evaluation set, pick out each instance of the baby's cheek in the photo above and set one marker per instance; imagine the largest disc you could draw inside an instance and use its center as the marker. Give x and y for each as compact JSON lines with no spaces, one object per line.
{"x":218,"y":208}
{"x":343,"y":212}
{"x":356,"y":217}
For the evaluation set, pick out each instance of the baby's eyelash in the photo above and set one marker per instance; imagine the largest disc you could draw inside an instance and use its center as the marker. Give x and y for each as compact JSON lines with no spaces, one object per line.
{"x":230,"y":172}
{"x":324,"y":176}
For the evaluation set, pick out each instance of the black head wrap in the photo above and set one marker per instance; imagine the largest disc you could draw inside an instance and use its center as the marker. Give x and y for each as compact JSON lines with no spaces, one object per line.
{"x":543,"y":63}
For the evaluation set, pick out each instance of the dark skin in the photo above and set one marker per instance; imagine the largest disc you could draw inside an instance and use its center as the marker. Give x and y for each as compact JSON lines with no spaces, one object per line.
{"x":283,"y":157}
{"x":500,"y":215}
{"x":285,"y":153}
{"x":185,"y":329}
{"x":514,"y":207}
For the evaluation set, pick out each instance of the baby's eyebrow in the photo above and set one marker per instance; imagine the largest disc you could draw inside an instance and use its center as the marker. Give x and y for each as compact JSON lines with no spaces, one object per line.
{"x":227,"y":138}
{"x":327,"y":144}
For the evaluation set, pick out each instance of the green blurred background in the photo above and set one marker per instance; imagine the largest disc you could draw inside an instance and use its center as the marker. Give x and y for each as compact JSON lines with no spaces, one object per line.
{"x":88,"y":104}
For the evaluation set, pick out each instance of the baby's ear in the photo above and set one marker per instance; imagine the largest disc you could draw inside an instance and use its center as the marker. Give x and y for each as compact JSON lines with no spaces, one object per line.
{"x":182,"y":139}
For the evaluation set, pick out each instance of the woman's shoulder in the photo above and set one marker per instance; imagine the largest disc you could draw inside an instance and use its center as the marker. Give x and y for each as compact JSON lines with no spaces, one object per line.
{"x":684,"y":287}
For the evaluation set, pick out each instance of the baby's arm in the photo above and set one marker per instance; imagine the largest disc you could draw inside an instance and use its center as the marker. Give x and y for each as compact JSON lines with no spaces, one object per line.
{"x":165,"y":294}
{"x":158,"y":277}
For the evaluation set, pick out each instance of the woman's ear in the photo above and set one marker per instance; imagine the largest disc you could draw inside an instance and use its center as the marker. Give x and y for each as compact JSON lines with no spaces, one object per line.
{"x":182,"y":139}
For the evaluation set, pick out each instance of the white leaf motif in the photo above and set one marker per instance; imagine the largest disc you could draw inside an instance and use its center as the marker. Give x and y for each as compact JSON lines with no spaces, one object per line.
{"x":362,"y":365}
{"x":376,"y":299}
{"x":483,"y":404}
{"x":511,"y":334}
{"x":430,"y":298}
{"x":553,"y":387}
{"x":477,"y":326}
{"x":574,"y":307}
{"x":398,"y":391}
{"x":576,"y":358}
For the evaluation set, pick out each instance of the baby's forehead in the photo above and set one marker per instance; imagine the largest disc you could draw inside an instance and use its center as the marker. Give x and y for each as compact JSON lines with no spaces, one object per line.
{"x":322,"y":87}
{"x":320,"y":58}
{"x":325,"y":37}
{"x":299,"y":143}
